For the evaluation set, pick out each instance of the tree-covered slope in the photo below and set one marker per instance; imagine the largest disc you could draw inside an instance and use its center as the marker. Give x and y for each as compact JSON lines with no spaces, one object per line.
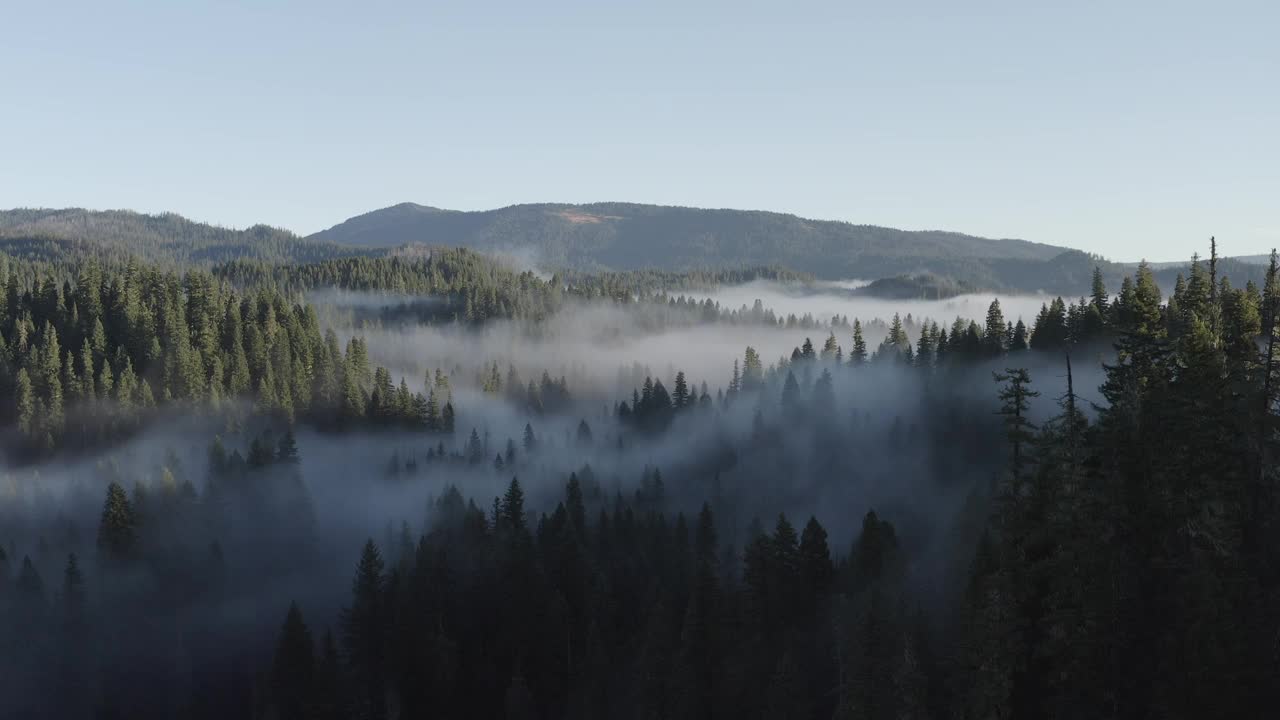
{"x":63,"y":235}
{"x":595,"y":239}
{"x":627,"y":235}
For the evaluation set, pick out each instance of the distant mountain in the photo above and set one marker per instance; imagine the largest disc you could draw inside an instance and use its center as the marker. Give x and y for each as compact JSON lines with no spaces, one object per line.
{"x":623,"y":236}
{"x":54,"y":235}
{"x":597,"y":237}
{"x":628,"y":236}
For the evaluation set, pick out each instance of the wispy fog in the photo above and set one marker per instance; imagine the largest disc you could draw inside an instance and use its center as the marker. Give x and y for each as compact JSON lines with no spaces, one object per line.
{"x":876,"y":441}
{"x":610,"y":348}
{"x":825,"y":300}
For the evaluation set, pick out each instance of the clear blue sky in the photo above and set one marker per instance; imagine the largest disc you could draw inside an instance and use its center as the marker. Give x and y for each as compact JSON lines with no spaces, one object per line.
{"x":1131,"y":129}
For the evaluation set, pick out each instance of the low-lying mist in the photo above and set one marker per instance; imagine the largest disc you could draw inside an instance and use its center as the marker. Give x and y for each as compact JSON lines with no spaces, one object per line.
{"x":811,"y":438}
{"x":609,"y":348}
{"x":824,"y":300}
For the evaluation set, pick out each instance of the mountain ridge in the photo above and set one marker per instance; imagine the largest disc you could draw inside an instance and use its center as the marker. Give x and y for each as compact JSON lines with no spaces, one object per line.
{"x":52,"y":234}
{"x":409,"y":205}
{"x":619,"y":236}
{"x":595,"y":237}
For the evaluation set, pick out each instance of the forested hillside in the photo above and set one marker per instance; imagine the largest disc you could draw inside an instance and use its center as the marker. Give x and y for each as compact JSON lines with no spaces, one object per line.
{"x":627,"y":236}
{"x":222,"y":497}
{"x":90,"y":364}
{"x":642,"y":243}
{"x":66,"y":235}
{"x":624,"y":236}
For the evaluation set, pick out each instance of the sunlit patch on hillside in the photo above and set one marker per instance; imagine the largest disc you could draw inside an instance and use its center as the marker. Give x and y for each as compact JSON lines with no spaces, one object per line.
{"x":577,"y":217}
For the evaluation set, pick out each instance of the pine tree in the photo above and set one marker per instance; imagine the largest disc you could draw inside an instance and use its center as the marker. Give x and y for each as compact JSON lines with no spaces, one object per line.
{"x":530,"y":442}
{"x":829,"y":347}
{"x":816,"y":568}
{"x":493,"y":383}
{"x":432,"y":419}
{"x":680,"y":397}
{"x":447,"y":419}
{"x":1099,"y":299}
{"x":1015,"y":399}
{"x":126,"y":387}
{"x":1050,"y":332}
{"x":1270,"y":328}
{"x":1018,"y":343}
{"x":994,"y":341}
{"x":858,"y":351}
{"x":25,"y":404}
{"x":512,"y":518}
{"x":925,"y":348}
{"x":752,"y":371}
{"x":364,"y":634}
{"x":353,"y":402}
{"x":896,"y":344}
{"x":475,"y":448}
{"x":404,"y":407}
{"x":293,"y":672}
{"x":87,"y":374}
{"x":117,"y":535}
{"x":357,"y":365}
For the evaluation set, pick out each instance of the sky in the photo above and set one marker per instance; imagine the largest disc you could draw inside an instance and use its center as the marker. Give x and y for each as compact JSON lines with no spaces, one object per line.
{"x":1132,"y":130}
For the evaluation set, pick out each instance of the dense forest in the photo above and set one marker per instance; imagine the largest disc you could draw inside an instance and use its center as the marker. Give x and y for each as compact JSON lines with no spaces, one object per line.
{"x":397,"y":487}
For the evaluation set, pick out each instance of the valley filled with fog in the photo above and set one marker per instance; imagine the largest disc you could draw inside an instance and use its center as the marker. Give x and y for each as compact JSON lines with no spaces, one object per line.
{"x":519,"y":470}
{"x":639,"y":361}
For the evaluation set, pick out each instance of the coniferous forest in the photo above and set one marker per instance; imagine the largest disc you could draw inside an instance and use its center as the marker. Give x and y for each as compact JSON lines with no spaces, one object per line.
{"x":307,"y":483}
